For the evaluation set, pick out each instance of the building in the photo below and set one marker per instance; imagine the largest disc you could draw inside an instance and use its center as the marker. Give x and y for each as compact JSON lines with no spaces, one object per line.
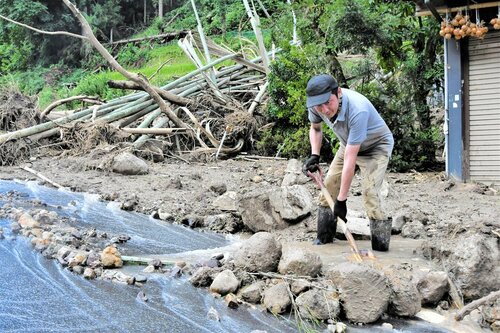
{"x":472,"y":89}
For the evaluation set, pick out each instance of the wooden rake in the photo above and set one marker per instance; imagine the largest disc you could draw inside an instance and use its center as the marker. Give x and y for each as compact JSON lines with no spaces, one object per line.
{"x":318,"y":179}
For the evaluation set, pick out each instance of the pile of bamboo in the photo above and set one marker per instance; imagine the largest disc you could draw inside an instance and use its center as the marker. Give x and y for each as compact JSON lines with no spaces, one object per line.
{"x":202,"y":99}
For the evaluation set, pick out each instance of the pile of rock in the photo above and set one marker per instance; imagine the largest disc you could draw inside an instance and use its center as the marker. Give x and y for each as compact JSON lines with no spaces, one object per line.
{"x":260,"y":272}
{"x":87,"y":252}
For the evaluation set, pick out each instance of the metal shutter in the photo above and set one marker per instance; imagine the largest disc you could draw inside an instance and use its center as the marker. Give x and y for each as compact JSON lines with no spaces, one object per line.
{"x":484,"y":108}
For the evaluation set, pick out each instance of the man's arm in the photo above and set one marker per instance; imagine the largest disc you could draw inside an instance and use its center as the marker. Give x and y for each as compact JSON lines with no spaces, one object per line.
{"x":315,"y":138}
{"x":350,"y":155}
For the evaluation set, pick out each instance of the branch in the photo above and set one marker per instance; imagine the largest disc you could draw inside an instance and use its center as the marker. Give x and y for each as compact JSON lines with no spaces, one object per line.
{"x":473,"y":305}
{"x":163,"y":93}
{"x":137,"y":78}
{"x":43,"y":31}
{"x":55,"y":104}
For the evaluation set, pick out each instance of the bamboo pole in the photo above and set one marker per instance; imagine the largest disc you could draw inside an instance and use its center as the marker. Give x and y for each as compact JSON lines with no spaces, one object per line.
{"x":258,"y":98}
{"x":154,"y":130}
{"x":143,"y":138}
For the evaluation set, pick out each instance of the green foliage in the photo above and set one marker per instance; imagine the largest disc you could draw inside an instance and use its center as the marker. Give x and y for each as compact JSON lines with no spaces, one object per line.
{"x":133,"y":56}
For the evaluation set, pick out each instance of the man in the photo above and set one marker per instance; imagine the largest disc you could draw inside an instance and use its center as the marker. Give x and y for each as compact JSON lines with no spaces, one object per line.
{"x":365,"y":140}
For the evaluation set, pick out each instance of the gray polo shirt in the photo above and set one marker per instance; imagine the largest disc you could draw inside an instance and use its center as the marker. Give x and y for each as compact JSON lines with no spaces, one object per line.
{"x":358,"y":123}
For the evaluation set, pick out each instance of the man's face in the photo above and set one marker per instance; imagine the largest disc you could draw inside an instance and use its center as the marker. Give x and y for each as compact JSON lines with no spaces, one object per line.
{"x":331,"y":107}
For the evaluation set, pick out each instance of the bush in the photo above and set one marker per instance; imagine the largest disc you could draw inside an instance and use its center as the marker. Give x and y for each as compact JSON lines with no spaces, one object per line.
{"x":287,"y":82}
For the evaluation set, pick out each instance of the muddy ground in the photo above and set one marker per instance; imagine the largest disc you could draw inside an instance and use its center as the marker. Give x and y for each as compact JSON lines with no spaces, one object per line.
{"x":434,"y":210}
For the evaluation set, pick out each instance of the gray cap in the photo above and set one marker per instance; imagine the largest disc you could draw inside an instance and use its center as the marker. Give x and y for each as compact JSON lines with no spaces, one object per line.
{"x":319,"y":89}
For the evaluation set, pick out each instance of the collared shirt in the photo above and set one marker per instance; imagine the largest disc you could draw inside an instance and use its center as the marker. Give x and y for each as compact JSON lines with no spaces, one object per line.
{"x":358,"y":123}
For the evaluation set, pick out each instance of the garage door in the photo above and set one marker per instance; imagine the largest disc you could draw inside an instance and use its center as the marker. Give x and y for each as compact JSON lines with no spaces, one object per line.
{"x":484,"y":108}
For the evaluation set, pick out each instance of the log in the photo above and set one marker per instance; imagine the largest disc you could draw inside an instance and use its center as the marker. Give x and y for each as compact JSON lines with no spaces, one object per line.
{"x":163,"y":93}
{"x":477,"y":303}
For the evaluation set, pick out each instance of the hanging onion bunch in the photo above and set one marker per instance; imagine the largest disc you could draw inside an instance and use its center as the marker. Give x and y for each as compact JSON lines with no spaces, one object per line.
{"x":496,"y":22}
{"x":461,"y":26}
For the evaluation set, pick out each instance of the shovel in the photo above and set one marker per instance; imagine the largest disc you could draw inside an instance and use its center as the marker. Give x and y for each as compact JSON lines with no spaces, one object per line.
{"x":319,"y":181}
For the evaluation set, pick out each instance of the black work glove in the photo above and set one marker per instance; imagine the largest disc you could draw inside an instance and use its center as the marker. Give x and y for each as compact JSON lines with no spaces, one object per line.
{"x":340,"y":209}
{"x":311,"y":164}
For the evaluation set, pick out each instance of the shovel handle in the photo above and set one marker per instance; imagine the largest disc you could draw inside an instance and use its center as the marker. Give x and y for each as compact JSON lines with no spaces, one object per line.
{"x":318,"y":179}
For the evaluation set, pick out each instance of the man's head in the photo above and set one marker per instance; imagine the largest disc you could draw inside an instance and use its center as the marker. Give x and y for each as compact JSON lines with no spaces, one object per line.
{"x":319,"y":88}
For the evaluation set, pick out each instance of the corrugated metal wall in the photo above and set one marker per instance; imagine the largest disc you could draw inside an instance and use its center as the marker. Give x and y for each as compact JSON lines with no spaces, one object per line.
{"x":484,"y":108}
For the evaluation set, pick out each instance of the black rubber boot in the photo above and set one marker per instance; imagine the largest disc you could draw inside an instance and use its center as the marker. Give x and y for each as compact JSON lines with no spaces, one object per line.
{"x":327,"y":226}
{"x":381,"y":234}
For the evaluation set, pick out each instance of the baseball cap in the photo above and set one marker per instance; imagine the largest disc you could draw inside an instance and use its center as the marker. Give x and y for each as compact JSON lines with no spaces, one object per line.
{"x":319,"y":89}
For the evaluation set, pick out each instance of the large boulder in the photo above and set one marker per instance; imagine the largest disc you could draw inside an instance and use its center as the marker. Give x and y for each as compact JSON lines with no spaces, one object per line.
{"x":316,"y":304}
{"x":277,"y":298}
{"x":228,"y":201}
{"x":271,"y":209}
{"x":472,"y":259}
{"x":129,"y":164}
{"x":224,"y":283}
{"x":299,"y":262}
{"x":259,"y":253}
{"x":364,"y":292}
{"x":294,"y":175}
{"x":405,"y":298}
{"x":433,"y":286}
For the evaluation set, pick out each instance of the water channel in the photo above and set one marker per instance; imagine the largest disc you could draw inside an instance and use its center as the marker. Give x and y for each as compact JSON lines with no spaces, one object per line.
{"x":39,"y":295}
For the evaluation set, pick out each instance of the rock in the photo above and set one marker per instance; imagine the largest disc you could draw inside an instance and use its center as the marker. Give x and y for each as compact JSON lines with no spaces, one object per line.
{"x":405,"y":298}
{"x":224,"y":283}
{"x":225,"y":222}
{"x":231,"y":301}
{"x":78,"y":270}
{"x":413,"y":229}
{"x":398,"y":222}
{"x":149,"y":269}
{"x":89,"y":273}
{"x":227,"y":202}
{"x":79,"y":259}
{"x":257,"y":179}
{"x":259,"y":253}
{"x":211,"y":263}
{"x":203,"y":277}
{"x":26,"y":221}
{"x":151,"y":150}
{"x":294,"y":175}
{"x":156,"y":263}
{"x":129,"y":164}
{"x":491,"y":312}
{"x":364,"y":292}
{"x":472,"y":259}
{"x":165,"y":215}
{"x":432,"y":287}
{"x":176,"y":272}
{"x":299,"y":286}
{"x":123,"y":278}
{"x":141,"y":278}
{"x":253,"y":293}
{"x":268,"y":209}
{"x":276,"y":299}
{"x":219,"y":188}
{"x":110,"y":257}
{"x":299,"y":262}
{"x":93,"y":259}
{"x":293,"y":203}
{"x":193,"y":221}
{"x":318,"y":304}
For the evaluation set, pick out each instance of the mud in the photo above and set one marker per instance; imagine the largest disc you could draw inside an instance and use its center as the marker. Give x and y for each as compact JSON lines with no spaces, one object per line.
{"x":431,"y":209}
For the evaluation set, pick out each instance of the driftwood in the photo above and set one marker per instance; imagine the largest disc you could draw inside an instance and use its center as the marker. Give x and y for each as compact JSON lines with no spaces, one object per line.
{"x":39,"y":175}
{"x":83,"y":98}
{"x":477,"y":303}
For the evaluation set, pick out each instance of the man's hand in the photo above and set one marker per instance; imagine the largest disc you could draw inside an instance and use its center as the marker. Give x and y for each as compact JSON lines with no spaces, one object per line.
{"x":311,"y":164}
{"x":340,"y":209}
